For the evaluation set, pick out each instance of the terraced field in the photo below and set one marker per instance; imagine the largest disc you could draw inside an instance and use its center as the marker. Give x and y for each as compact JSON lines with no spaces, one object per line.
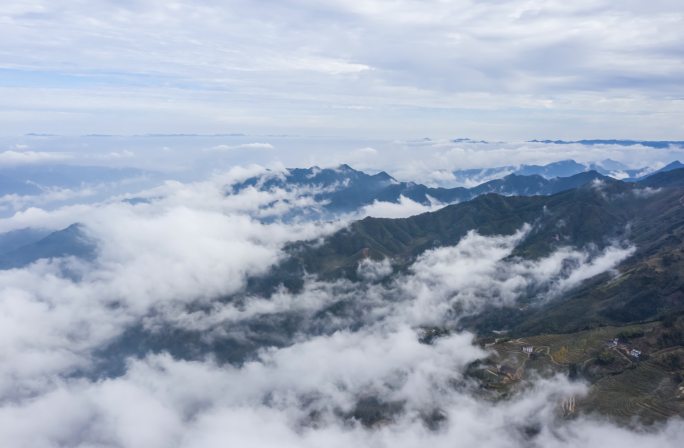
{"x":645,"y":391}
{"x":649,"y":388}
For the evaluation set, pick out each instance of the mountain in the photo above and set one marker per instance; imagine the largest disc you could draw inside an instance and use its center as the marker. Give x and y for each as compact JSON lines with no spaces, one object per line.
{"x":28,"y":179}
{"x":639,"y":175}
{"x":563,"y":168}
{"x":476,"y":176}
{"x":344,"y":189}
{"x":665,"y":178}
{"x":595,"y":211}
{"x":71,"y":241}
{"x":489,"y":214}
{"x":648,"y":214}
{"x":587,"y":331}
{"x":15,"y":239}
{"x":650,"y":143}
{"x":531,"y":185}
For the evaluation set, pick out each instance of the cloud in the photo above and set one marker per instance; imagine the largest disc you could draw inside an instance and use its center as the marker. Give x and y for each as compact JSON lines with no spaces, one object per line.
{"x":11,"y":157}
{"x":646,"y":192}
{"x":16,"y":202}
{"x":254,"y":145}
{"x":501,"y":70}
{"x":125,"y":154}
{"x":374,"y":270}
{"x":439,"y":158}
{"x":199,"y":404}
{"x":402,"y":209}
{"x":477,"y":273}
{"x":365,"y":152}
{"x":187,"y":247}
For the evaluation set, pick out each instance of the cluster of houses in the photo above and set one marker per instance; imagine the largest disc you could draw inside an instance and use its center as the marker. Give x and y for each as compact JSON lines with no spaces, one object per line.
{"x":615,"y":343}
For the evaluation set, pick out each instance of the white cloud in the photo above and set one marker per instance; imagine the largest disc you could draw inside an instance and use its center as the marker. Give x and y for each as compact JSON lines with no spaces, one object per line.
{"x":402,"y":209}
{"x":49,"y":195}
{"x":11,"y":157}
{"x":449,"y":282}
{"x":505,"y":70}
{"x":374,"y":270}
{"x":254,"y":145}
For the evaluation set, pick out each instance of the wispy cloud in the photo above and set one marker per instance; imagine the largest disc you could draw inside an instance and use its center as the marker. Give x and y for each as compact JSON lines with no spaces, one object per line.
{"x":255,"y":145}
{"x":12,"y":157}
{"x":405,"y":67}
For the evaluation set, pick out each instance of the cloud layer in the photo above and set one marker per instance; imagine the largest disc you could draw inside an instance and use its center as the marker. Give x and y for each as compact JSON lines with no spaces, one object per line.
{"x":392,"y":68}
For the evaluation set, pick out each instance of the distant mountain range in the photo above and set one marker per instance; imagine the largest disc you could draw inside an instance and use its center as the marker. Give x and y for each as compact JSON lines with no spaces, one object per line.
{"x":340,"y":190}
{"x":344,"y":189}
{"x":649,"y":214}
{"x":563,"y":168}
{"x":650,"y":143}
{"x":34,"y":179}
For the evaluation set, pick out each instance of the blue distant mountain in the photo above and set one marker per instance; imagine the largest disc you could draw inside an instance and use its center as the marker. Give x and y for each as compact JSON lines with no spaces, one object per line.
{"x":15,"y":239}
{"x":563,"y":168}
{"x":31,"y":179}
{"x":71,"y":241}
{"x":343,"y":189}
{"x":340,"y":189}
{"x":669,"y":167}
{"x":48,"y":185}
{"x":649,"y":143}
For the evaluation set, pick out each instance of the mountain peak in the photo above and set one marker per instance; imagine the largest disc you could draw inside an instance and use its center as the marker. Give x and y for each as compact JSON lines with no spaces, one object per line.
{"x":673,"y":165}
{"x":344,"y":167}
{"x":382,"y":175}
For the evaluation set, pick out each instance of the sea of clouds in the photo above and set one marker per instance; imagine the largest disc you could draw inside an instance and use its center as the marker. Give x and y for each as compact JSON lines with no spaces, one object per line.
{"x":180,"y":260}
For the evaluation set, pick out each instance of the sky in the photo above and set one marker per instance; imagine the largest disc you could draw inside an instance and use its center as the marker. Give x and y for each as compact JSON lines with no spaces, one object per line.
{"x":509,"y":70}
